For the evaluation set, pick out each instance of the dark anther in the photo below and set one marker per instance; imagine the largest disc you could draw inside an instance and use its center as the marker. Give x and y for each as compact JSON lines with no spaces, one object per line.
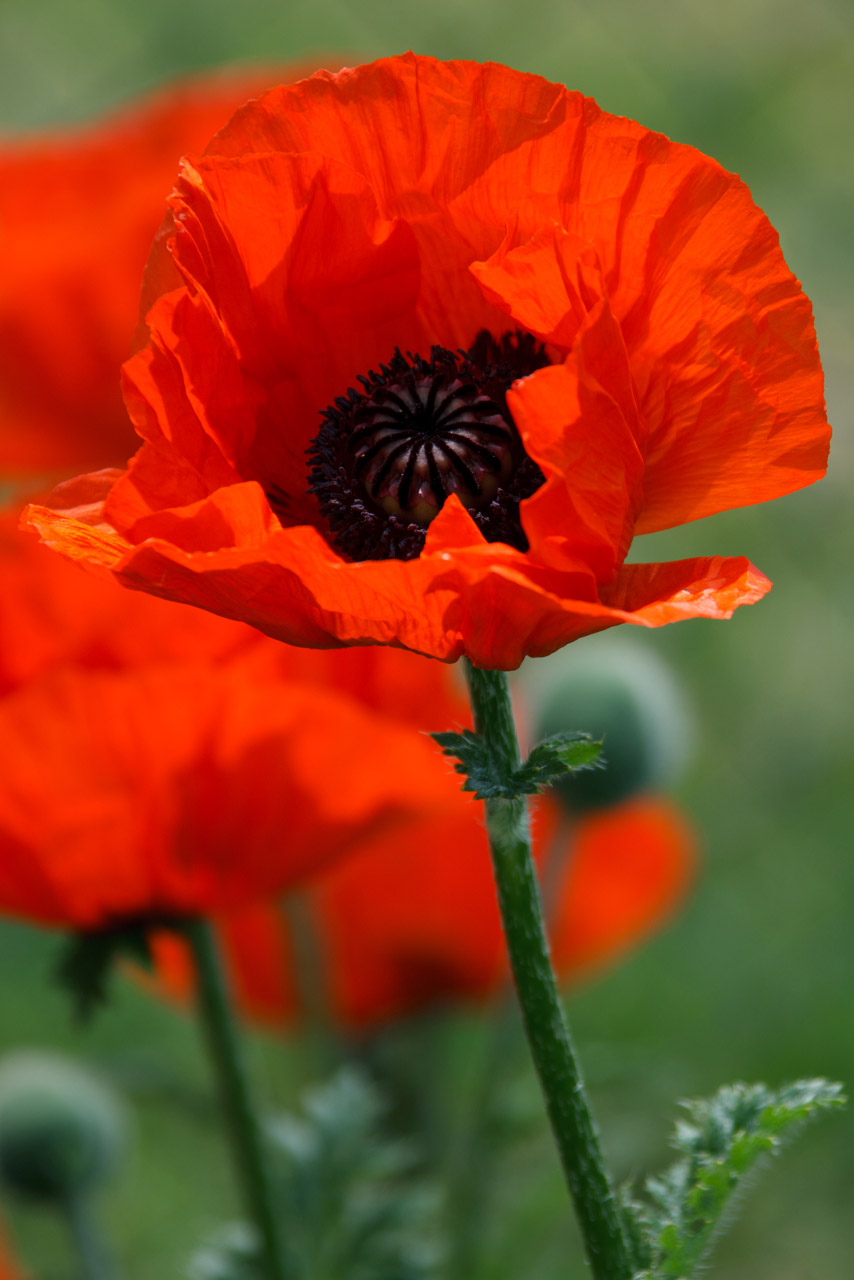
{"x":386,"y":458}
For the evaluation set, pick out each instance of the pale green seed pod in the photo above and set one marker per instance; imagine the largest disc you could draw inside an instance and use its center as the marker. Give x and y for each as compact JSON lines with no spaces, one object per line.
{"x":62,"y":1132}
{"x":624,"y":695}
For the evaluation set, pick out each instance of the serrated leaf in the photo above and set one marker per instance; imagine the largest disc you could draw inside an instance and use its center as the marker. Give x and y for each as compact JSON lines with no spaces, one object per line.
{"x":489,"y":778}
{"x":562,"y":753}
{"x":722,"y":1139}
{"x":483,"y":774}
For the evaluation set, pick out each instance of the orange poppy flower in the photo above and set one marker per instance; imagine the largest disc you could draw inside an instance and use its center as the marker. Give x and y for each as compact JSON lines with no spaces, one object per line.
{"x":409,"y":921}
{"x":605,"y":341}
{"x":71,"y":262}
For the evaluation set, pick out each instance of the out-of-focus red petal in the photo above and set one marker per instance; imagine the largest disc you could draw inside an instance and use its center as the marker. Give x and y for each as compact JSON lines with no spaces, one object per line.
{"x":187,"y":788}
{"x":411,"y":919}
{"x":53,"y":611}
{"x":630,"y":866}
{"x":263,"y":979}
{"x":79,"y":208}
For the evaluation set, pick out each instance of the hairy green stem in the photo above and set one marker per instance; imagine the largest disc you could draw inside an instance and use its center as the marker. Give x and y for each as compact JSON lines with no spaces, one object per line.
{"x":241,"y":1114}
{"x":574,"y":1129}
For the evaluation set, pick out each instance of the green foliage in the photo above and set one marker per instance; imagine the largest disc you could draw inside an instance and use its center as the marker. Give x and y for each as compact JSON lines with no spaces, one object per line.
{"x":352,"y":1200}
{"x":488,"y":776}
{"x":722,"y":1140}
{"x":232,"y":1254}
{"x":87,"y":959}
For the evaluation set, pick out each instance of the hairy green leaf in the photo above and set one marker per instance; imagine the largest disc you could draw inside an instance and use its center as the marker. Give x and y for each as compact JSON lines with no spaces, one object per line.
{"x":722,"y":1139}
{"x":561,"y":753}
{"x":489,"y":778}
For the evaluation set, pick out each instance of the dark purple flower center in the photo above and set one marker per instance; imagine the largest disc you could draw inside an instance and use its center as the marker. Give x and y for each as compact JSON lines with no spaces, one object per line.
{"x":386,"y":458}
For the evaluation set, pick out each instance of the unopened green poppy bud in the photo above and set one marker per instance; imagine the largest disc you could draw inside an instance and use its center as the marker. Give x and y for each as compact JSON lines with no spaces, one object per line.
{"x":62,"y":1132}
{"x":628,"y":698}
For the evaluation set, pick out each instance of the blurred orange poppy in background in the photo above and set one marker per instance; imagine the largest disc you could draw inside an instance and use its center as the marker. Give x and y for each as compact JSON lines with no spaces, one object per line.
{"x":188,"y":788}
{"x":161,"y":760}
{"x":54,"y":612}
{"x":609,"y":342}
{"x":79,"y":209}
{"x":411,"y":919}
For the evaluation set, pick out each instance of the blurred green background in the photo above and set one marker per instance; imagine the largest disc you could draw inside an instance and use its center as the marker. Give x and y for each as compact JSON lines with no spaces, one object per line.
{"x":754,"y":980}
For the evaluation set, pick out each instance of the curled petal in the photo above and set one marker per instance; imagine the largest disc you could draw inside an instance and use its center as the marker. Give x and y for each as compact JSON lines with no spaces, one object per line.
{"x":493,"y":605}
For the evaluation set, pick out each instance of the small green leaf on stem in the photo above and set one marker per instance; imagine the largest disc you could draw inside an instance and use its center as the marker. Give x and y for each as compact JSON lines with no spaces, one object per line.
{"x":561,"y":753}
{"x":489,"y":777}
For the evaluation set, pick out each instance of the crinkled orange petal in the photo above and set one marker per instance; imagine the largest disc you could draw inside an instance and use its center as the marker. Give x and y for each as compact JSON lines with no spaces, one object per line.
{"x":288,"y":278}
{"x":629,"y":867}
{"x":479,"y":599}
{"x":718,"y":331}
{"x":579,"y":420}
{"x":185,"y":788}
{"x":547,"y":285}
{"x":707,"y":587}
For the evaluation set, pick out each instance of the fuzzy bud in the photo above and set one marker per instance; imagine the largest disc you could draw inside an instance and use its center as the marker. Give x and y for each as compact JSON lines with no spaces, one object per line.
{"x":62,"y":1132}
{"x":630,"y":700}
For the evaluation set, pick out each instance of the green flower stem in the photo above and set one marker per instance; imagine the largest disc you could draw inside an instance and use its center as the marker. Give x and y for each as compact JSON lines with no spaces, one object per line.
{"x":89,"y":1245}
{"x":242,"y":1117}
{"x":596,"y":1207}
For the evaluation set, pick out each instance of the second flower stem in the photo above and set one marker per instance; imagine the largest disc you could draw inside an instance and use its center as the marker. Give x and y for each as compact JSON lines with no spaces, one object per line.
{"x":241,"y":1114}
{"x":554,"y":1057}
